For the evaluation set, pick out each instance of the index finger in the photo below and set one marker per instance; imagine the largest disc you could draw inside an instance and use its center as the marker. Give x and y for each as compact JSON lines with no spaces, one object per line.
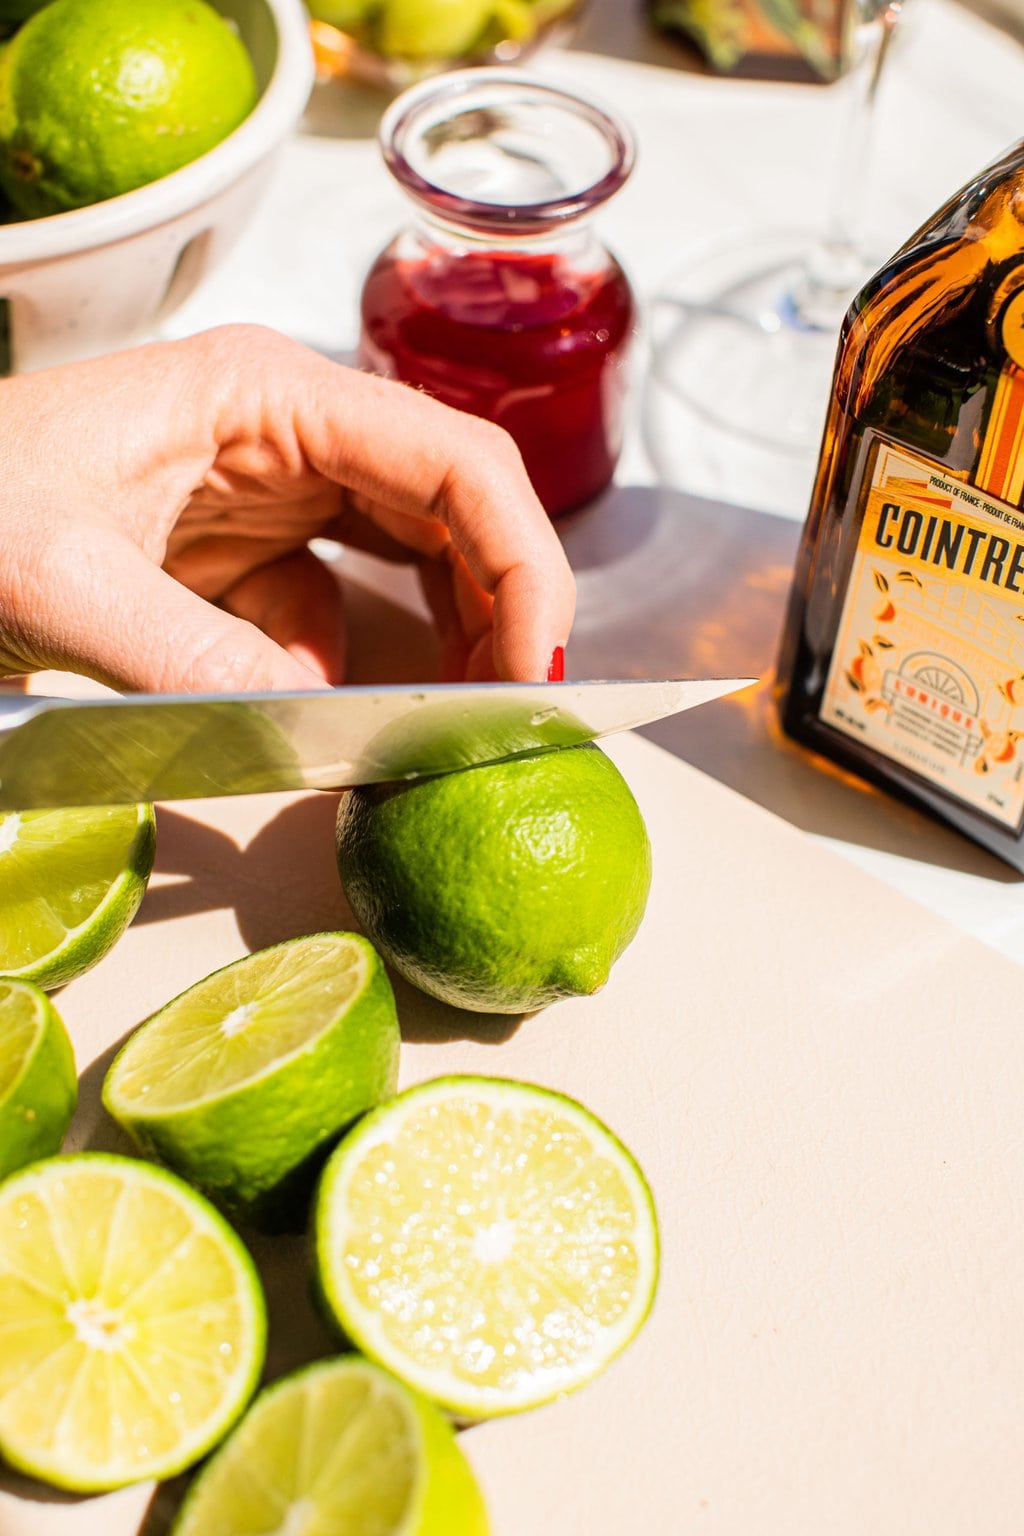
{"x":425,"y":463}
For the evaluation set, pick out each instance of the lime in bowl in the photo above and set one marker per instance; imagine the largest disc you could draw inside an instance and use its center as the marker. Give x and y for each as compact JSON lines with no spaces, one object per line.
{"x":108,"y":275}
{"x":394,"y":43}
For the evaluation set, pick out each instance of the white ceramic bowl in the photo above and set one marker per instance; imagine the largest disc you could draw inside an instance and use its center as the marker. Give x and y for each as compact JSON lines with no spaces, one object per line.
{"x":101,"y":278}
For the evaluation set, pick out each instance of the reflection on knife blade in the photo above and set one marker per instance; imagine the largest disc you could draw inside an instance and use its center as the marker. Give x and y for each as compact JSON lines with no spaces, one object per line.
{"x":101,"y":752}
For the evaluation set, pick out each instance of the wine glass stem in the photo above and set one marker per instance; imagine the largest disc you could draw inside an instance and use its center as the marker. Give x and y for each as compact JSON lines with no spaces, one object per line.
{"x":837,"y":265}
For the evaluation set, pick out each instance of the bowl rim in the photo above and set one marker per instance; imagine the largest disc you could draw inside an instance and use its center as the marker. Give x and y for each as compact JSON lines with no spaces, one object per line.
{"x":159,"y":202}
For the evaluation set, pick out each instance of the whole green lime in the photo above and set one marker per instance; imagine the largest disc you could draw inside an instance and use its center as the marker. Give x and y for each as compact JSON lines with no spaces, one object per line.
{"x":504,"y":887}
{"x":98,"y":97}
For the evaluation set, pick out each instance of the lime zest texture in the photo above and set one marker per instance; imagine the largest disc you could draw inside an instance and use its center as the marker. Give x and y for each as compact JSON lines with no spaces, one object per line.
{"x":98,"y":97}
{"x":504,"y":887}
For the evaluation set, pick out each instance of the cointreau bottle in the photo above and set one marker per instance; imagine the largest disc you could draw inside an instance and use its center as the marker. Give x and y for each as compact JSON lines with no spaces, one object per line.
{"x":903,"y":650}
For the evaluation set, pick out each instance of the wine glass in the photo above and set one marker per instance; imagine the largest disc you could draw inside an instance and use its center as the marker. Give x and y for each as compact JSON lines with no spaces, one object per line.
{"x":743,"y":341}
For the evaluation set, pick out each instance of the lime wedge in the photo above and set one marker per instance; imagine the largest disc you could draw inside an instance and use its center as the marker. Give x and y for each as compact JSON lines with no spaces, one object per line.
{"x":70,"y":883}
{"x":244,"y":1082}
{"x":38,"y":1082}
{"x":490,"y":1242}
{"x":132,"y":1323}
{"x":337,"y":1449}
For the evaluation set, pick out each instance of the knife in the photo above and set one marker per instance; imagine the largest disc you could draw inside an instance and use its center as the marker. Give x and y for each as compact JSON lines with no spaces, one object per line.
{"x":116,"y":751}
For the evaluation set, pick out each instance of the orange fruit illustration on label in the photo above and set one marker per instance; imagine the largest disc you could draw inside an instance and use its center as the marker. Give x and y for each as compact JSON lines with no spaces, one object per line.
{"x":866,"y":672}
{"x":1013,"y":690}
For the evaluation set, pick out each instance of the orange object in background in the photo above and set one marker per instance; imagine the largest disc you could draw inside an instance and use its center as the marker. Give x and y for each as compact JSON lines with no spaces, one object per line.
{"x":764,"y":39}
{"x":332,"y":50}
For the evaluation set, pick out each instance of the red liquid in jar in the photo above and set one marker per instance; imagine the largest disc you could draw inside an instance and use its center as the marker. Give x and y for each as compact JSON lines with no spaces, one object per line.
{"x":523,"y":340}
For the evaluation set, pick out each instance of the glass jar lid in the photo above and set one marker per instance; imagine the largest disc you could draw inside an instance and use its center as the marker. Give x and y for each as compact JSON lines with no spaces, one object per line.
{"x":495,"y":150}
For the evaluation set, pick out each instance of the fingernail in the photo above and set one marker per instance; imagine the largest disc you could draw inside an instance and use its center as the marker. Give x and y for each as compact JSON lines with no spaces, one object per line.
{"x":556,"y":670}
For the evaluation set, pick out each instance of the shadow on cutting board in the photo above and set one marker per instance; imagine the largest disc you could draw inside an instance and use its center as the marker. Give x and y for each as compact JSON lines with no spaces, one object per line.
{"x":672,"y":585}
{"x":282,"y":885}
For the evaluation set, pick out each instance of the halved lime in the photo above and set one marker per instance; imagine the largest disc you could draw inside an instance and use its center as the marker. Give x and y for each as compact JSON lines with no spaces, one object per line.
{"x":38,"y":1081}
{"x":490,"y":1242}
{"x":244,"y":1082}
{"x":132,"y":1323}
{"x":337,"y":1449}
{"x":70,"y":883}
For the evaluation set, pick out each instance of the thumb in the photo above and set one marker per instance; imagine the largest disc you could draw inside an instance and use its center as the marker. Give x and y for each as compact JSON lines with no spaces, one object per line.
{"x":127,"y":623}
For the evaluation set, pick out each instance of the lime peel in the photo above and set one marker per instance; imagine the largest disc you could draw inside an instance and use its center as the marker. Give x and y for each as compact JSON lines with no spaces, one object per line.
{"x":38,"y":1080}
{"x":71,"y":881}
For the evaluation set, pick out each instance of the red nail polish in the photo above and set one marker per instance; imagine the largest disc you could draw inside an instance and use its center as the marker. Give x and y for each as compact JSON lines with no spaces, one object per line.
{"x":556,"y":671}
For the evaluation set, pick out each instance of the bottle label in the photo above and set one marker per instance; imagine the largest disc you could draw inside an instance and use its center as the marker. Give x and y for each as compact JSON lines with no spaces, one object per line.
{"x":928,"y":665}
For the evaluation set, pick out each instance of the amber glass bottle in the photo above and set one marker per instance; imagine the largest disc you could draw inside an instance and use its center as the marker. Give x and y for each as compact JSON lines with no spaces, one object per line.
{"x":903,"y":651}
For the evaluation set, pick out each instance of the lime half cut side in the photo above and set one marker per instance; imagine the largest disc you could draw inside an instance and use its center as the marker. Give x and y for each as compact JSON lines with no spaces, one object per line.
{"x":70,"y":883}
{"x":490,"y":1242}
{"x":132,"y":1323}
{"x":337,"y":1449}
{"x":38,"y":1081}
{"x":244,"y":1082}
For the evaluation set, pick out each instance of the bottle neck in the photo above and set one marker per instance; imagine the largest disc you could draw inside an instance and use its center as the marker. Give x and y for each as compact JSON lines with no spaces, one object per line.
{"x":573,"y":241}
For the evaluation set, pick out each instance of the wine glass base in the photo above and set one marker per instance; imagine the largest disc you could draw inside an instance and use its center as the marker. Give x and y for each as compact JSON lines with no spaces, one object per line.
{"x":738,"y":372}
{"x":733,"y":342}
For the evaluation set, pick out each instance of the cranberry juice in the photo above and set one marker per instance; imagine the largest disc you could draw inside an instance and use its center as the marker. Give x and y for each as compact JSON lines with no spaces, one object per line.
{"x":525,"y":340}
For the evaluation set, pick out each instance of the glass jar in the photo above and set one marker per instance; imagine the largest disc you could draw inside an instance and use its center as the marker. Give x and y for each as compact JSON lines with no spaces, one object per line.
{"x":498,"y":298}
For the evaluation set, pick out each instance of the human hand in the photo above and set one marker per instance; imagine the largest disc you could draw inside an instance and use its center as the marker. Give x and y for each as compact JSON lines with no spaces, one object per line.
{"x":158,"y":505}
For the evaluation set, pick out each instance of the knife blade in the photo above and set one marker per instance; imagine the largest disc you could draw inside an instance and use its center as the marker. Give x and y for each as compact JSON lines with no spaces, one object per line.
{"x":119,"y":750}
